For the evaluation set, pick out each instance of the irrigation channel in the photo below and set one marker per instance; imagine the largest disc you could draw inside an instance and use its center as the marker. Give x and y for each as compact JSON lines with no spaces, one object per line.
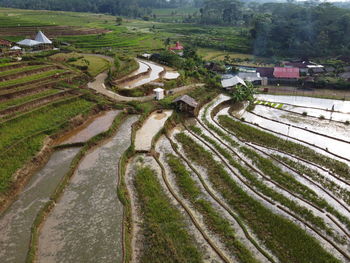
{"x":16,"y":222}
{"x":86,"y":224}
{"x":337,"y":204}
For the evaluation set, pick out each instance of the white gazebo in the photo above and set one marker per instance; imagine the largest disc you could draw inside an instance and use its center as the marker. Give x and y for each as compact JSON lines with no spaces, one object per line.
{"x":159,"y":93}
{"x":40,"y":37}
{"x":28,"y":43}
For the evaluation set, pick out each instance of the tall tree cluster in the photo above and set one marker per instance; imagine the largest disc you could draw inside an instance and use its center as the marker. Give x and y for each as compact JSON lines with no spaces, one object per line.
{"x":303,"y":30}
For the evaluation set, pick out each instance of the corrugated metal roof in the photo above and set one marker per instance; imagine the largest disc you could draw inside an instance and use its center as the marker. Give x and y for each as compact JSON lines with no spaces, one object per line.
{"x":233,"y":81}
{"x":188,"y":100}
{"x":286,"y":73}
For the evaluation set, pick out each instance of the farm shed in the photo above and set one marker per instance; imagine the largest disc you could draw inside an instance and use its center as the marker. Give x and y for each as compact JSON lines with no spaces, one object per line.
{"x":5,"y":43}
{"x":286,"y":73}
{"x":28,"y":43}
{"x":159,"y":93}
{"x":228,"y":83}
{"x":265,"y":72}
{"x":187,"y":104}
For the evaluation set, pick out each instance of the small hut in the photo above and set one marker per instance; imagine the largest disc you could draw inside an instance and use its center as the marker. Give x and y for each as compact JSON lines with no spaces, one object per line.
{"x":186,"y":103}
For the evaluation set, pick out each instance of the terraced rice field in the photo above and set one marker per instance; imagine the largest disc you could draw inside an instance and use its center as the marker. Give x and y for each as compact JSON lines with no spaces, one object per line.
{"x":245,"y":194}
{"x":30,"y":97}
{"x":221,"y":187}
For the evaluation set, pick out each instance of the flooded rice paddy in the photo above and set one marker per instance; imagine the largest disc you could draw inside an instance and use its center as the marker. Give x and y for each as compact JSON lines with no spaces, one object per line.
{"x":85,"y":225}
{"x":17,"y":220}
{"x":150,"y":128}
{"x":91,"y":128}
{"x":171,"y":75}
{"x":153,"y":75}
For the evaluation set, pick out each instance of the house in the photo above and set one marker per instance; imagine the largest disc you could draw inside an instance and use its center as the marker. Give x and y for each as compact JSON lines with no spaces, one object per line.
{"x":159,"y":93}
{"x":345,"y":76}
{"x":286,"y":73}
{"x":304,"y":65}
{"x":178,"y":47}
{"x":315,"y":71}
{"x":187,"y":104}
{"x":265,"y":72}
{"x":230,"y":82}
{"x":329,"y":69}
{"x":253,"y":77}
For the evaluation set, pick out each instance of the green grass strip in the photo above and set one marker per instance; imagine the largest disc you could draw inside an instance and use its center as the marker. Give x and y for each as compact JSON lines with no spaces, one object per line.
{"x":30,"y":78}
{"x":190,"y":190}
{"x":285,"y":239}
{"x":165,"y":236}
{"x":20,"y":70}
{"x":18,"y":101}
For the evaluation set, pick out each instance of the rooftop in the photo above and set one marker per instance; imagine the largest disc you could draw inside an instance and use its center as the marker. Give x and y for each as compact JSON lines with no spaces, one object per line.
{"x":188,"y":100}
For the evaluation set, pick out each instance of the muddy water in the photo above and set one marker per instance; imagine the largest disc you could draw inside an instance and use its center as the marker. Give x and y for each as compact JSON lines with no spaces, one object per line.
{"x":171,"y":75}
{"x":334,"y":146}
{"x":152,"y":125}
{"x":142,"y":69}
{"x":334,"y":129}
{"x":154,"y":75}
{"x":91,"y":128}
{"x":327,"y":104}
{"x":85,"y":225}
{"x":16,"y":222}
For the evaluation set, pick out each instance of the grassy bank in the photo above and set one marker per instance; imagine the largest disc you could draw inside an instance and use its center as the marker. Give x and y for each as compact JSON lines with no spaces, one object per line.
{"x":166,"y":238}
{"x":215,"y":222}
{"x":285,"y":239}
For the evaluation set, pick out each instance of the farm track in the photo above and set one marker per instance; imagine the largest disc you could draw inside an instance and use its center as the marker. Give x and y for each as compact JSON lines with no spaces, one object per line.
{"x":332,"y":219}
{"x":220,"y":203}
{"x":293,"y":138}
{"x":34,"y":103}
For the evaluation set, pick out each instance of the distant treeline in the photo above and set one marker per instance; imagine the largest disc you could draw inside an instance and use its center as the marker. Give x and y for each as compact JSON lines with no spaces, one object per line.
{"x":134,"y":8}
{"x":284,"y":29}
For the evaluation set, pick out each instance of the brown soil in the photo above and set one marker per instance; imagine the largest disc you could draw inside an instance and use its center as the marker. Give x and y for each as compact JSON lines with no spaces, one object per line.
{"x":51,"y":31}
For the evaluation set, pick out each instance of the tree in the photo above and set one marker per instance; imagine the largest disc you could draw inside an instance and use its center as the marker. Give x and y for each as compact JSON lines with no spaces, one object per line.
{"x":118,"y":20}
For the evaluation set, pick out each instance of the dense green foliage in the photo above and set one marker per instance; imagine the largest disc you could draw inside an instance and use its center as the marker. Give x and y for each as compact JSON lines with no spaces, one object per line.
{"x":166,"y":237}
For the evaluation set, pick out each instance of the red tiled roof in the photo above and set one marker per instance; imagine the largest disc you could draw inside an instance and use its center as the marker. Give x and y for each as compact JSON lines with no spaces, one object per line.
{"x":177,"y":47}
{"x":286,"y":73}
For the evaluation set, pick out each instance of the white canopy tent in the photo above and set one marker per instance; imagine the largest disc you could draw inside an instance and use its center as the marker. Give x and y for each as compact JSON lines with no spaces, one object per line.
{"x":15,"y":48}
{"x":28,"y":43}
{"x":40,"y":37}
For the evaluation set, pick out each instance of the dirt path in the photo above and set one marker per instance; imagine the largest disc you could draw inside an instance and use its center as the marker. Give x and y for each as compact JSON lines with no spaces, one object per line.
{"x":99,"y":85}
